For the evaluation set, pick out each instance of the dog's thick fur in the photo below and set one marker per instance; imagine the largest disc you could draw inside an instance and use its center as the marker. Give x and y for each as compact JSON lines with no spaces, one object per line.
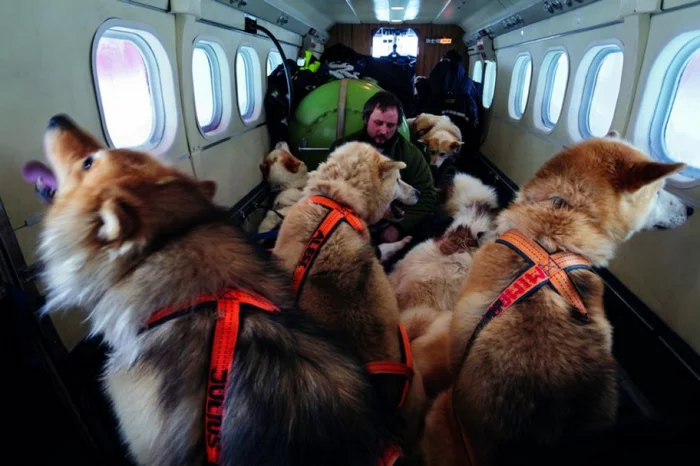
{"x":465,"y":190}
{"x":346,"y":286}
{"x":539,"y":371}
{"x":443,"y":138}
{"x":286,"y":176}
{"x":128,"y":235}
{"x":432,"y":273}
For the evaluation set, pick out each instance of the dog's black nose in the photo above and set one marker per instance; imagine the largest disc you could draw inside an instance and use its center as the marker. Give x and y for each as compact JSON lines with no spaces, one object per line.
{"x":60,"y":121}
{"x":417,"y":191}
{"x":689,"y":210}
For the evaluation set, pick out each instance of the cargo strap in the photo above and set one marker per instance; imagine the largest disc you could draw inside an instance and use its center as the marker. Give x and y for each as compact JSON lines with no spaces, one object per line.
{"x":342,"y":99}
{"x":228,"y":303}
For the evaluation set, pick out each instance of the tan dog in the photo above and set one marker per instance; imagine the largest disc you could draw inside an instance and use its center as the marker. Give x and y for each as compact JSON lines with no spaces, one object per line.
{"x":346,"y":286}
{"x":286,"y":175}
{"x":127,"y":236}
{"x":443,"y":138}
{"x":541,"y":371}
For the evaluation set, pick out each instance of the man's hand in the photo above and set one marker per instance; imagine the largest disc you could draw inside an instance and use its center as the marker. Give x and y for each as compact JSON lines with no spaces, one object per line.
{"x":390,"y":234}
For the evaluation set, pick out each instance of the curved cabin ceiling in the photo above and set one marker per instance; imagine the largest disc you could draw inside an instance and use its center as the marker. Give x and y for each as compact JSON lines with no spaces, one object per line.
{"x":470,"y":14}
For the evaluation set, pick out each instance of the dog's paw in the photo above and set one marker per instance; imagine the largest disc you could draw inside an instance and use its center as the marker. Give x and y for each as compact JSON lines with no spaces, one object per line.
{"x":388,"y":250}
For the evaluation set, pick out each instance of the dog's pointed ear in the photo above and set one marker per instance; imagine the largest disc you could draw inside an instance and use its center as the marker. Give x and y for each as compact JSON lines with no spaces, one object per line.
{"x":631,"y":178}
{"x":291,"y":163}
{"x":282,"y":145}
{"x":208,"y":188}
{"x":119,"y":220}
{"x":388,"y":166}
{"x":264,"y":169}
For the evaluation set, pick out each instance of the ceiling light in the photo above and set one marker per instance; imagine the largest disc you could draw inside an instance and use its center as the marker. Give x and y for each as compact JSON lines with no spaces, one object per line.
{"x":397,"y":8}
{"x":396,"y":20}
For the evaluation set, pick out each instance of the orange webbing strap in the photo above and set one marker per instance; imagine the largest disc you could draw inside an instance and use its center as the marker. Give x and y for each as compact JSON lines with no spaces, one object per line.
{"x":390,"y":456}
{"x":228,"y":307}
{"x":555,"y":266}
{"x":335,"y":216}
{"x":397,"y":368}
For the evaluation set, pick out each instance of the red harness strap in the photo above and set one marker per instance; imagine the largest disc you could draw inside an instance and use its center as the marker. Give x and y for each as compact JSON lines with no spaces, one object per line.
{"x":335,"y":216}
{"x":228,"y":307}
{"x":544,"y":268}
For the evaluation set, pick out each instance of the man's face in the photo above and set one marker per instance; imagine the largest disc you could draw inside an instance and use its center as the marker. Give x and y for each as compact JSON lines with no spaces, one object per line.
{"x":382,"y":125}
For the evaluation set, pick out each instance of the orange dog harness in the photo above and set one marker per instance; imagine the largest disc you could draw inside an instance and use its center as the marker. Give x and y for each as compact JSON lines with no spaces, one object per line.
{"x":229,"y":304}
{"x":544,"y":268}
{"x":336,"y":215}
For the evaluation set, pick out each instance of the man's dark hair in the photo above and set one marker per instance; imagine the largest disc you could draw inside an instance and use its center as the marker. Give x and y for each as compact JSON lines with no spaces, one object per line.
{"x":384,"y":100}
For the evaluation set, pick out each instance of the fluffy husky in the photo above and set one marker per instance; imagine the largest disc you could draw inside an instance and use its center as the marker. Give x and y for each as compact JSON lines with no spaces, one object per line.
{"x":541,"y":370}
{"x":443,"y":138}
{"x":286,"y":175}
{"x":127,"y":236}
{"x":346,"y":286}
{"x":465,"y":191}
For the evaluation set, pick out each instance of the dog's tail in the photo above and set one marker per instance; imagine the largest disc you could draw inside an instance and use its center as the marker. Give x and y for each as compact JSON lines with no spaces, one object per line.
{"x":298,"y":396}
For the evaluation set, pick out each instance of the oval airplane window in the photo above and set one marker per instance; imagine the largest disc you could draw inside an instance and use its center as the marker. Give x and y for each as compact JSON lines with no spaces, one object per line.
{"x":489,"y":83}
{"x":206,"y":81}
{"x":129,"y":89}
{"x":274,"y":59}
{"x":601,"y":89}
{"x":478,"y":71}
{"x":248,"y":84}
{"x":555,"y":90}
{"x":520,"y":86}
{"x":681,"y":137}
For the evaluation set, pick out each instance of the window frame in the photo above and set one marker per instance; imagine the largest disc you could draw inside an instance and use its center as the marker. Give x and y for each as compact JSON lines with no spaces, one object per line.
{"x":589,"y":85}
{"x":133,"y":32}
{"x":251,"y":114}
{"x":480,"y":63}
{"x":492,"y":91}
{"x":217,"y":87}
{"x":517,"y":85}
{"x":267,"y":61}
{"x":664,"y":105}
{"x":549,"y":86}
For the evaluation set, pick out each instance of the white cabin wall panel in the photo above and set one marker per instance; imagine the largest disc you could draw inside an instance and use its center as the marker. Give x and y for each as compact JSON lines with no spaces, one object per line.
{"x":227,"y":16}
{"x":225,"y":164}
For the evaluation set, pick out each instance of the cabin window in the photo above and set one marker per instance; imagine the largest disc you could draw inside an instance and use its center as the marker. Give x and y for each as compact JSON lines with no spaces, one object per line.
{"x":674,"y":133}
{"x":274,"y":59}
{"x":489,"y":83}
{"x":129,"y":88}
{"x":206,"y":81}
{"x":384,"y":40}
{"x":600,"y":91}
{"x":557,"y":76}
{"x":478,"y":71}
{"x":520,"y":86}
{"x":248,"y":84}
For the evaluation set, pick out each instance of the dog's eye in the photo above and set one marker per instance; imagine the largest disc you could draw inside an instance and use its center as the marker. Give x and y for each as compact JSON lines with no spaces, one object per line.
{"x":88,"y":163}
{"x":480,"y":234}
